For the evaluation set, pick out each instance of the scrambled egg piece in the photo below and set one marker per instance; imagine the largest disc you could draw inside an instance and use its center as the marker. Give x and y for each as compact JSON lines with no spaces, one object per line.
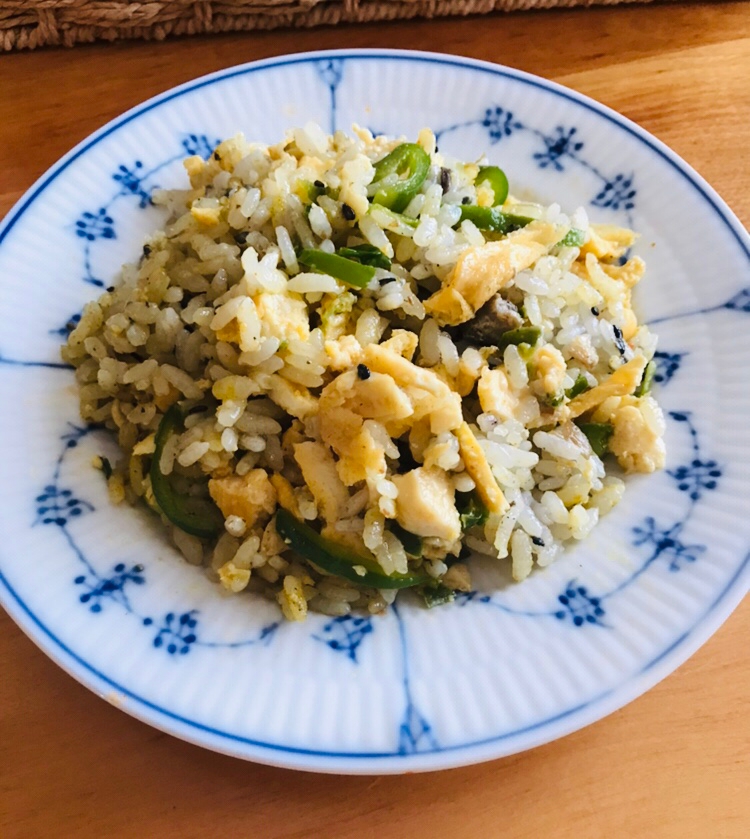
{"x":319,"y":471}
{"x":428,"y":393}
{"x":293,"y":398}
{"x":550,"y":370}
{"x":292,"y":599}
{"x":636,"y":443}
{"x":252,"y":497}
{"x":479,"y":469}
{"x":425,"y":504}
{"x":482,"y":271}
{"x":344,"y":353}
{"x":606,"y":241}
{"x":403,"y":342}
{"x":495,"y":394}
{"x":283,"y":316}
{"x":622,"y":382}
{"x":344,"y":406}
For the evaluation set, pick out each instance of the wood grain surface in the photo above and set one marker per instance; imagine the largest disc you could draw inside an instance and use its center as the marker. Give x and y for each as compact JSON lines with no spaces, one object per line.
{"x":674,"y":763}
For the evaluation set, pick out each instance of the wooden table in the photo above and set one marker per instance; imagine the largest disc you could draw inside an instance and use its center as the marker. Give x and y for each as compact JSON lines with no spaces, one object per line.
{"x":674,"y":763}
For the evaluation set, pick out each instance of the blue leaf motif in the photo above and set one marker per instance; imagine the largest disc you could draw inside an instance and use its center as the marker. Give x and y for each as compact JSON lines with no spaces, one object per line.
{"x":331,"y":71}
{"x":740,"y":302}
{"x":415,"y":733}
{"x":617,"y":193}
{"x":131,"y":182}
{"x":499,"y":123}
{"x":579,"y":606}
{"x":667,"y":364}
{"x":101,"y":589}
{"x":561,"y":143}
{"x":666,"y":543}
{"x":98,"y":225}
{"x":199,"y":144}
{"x":177,"y":633}
{"x":344,"y":634}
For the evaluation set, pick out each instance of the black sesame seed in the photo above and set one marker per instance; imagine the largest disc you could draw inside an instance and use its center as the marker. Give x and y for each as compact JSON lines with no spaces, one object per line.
{"x":240,"y":237}
{"x":146,"y":250}
{"x":363,"y":371}
{"x":619,"y":340}
{"x":216,"y":156}
{"x":538,"y":541}
{"x":110,"y":288}
{"x":319,"y":184}
{"x":347,"y":212}
{"x":445,"y":179}
{"x":466,"y":200}
{"x":595,"y":311}
{"x":436,"y":148}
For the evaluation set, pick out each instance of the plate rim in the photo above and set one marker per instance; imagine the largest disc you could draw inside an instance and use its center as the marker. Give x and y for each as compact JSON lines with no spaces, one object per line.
{"x":536,"y":734}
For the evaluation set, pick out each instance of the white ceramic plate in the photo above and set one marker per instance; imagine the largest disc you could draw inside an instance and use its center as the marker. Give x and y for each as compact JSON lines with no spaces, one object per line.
{"x":501,"y":670}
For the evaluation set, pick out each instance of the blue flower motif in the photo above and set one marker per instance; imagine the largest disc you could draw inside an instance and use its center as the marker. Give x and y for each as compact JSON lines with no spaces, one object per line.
{"x":111,"y":587}
{"x":558,"y":145}
{"x":98,"y":225}
{"x":579,"y":606}
{"x":740,"y":302}
{"x":131,"y":182}
{"x":463,"y":598}
{"x":499,"y":123}
{"x":415,"y":734}
{"x":57,"y":506}
{"x":616,"y":193}
{"x":199,"y":144}
{"x":667,"y":364}
{"x":695,"y":478}
{"x":345,"y":633}
{"x":331,"y":71}
{"x":666,"y":543}
{"x":177,"y":633}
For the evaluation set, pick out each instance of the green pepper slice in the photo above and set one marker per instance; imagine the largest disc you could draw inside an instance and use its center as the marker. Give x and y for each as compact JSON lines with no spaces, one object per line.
{"x":579,"y":386}
{"x":347,"y":270}
{"x":647,"y":379}
{"x":494,"y":220}
{"x":437,"y":596}
{"x":411,"y":163}
{"x":367,"y":255}
{"x":496,"y":179}
{"x":411,"y":542}
{"x":338,"y":560}
{"x":598,"y":434}
{"x":523,"y":335}
{"x":471,"y":509}
{"x":197,"y":516}
{"x":574,"y":238}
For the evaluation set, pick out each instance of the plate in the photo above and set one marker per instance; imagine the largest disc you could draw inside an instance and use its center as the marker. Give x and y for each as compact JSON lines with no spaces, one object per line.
{"x":502,"y":669}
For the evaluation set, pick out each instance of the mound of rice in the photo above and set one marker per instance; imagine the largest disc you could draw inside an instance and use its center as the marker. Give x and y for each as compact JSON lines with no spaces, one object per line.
{"x":386,"y":416}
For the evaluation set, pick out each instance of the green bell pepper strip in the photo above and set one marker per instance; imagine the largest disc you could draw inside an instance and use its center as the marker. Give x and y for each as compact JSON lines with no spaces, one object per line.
{"x":367,"y":255}
{"x":647,"y":379}
{"x":494,"y":220}
{"x":523,"y":335}
{"x":471,"y":510}
{"x":411,"y":163}
{"x":574,"y":238}
{"x":411,"y":542}
{"x":347,"y":270}
{"x":598,"y":434}
{"x":339,"y":560}
{"x":496,"y":179}
{"x":580,"y":385}
{"x":437,"y":596}
{"x":196,"y":516}
{"x":395,"y":222}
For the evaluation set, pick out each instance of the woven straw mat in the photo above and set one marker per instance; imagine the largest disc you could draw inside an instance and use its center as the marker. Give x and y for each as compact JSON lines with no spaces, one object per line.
{"x":26,"y":24}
